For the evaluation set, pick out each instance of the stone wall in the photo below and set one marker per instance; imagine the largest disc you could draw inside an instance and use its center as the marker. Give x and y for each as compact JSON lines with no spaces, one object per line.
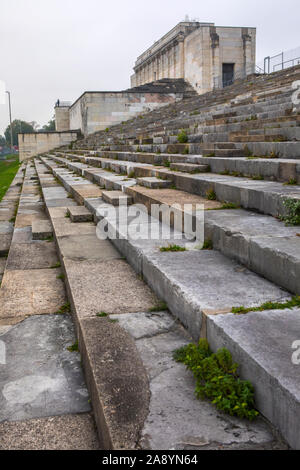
{"x":95,"y":111}
{"x":31,"y":145}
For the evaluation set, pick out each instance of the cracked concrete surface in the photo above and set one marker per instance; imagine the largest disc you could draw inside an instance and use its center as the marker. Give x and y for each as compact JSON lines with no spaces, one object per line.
{"x":39,"y":376}
{"x":177,"y":420}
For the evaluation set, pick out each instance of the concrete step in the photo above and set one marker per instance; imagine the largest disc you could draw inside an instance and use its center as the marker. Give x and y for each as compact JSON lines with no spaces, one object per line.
{"x":189,"y":168}
{"x":192,"y":294}
{"x":265,"y":245}
{"x":272,"y":169}
{"x":79,"y":214}
{"x":266,"y":197}
{"x":259,"y":138}
{"x":153,"y":183}
{"x":41,"y":230}
{"x":116,"y":198}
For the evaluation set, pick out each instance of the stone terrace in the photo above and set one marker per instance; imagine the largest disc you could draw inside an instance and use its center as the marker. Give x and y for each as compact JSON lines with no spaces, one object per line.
{"x":241,"y":161}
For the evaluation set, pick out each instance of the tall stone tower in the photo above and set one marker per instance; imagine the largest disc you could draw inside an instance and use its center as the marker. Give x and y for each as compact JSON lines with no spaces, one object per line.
{"x":205,"y":55}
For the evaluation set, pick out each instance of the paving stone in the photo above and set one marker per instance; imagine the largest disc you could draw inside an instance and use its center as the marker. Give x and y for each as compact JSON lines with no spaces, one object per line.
{"x":22,"y":235}
{"x":40,"y":376}
{"x":31,"y":292}
{"x":64,"y":227}
{"x":66,"y":202}
{"x":86,"y":247}
{"x":24,"y":220}
{"x":35,"y":255}
{"x":110,"y":286}
{"x":69,"y":432}
{"x":57,"y":212}
{"x":41,"y":229}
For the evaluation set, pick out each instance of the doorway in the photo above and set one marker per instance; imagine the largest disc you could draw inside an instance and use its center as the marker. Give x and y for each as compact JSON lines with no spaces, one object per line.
{"x":228,"y":74}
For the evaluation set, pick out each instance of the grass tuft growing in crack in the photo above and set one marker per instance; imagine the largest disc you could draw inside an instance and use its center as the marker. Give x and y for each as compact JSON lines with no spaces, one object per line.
{"x":160,"y":307}
{"x":74,"y":347}
{"x":173,"y":248}
{"x":294,"y":302}
{"x":66,"y":308}
{"x":217,"y":379}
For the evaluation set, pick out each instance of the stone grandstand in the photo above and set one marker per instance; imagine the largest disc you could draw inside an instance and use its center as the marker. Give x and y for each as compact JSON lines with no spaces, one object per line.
{"x":236,"y":152}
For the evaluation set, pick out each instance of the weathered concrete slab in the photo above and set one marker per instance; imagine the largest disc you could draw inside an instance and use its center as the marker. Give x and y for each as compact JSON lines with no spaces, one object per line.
{"x":117,"y":382}
{"x":262,"y":342}
{"x":35,"y":255}
{"x":116,"y":198}
{"x":111,"y":286}
{"x":25,"y":220}
{"x":41,"y":377}
{"x":66,"y":202}
{"x":69,"y":432}
{"x":22,"y":235}
{"x":64,"y":227}
{"x":80,"y":214}
{"x":41,"y":229}
{"x":85,"y":191}
{"x":87,"y":247}
{"x":196,"y":424}
{"x":5,"y":240}
{"x":31,"y":292}
{"x":153,"y":182}
{"x":57,"y":212}
{"x":196,"y":281}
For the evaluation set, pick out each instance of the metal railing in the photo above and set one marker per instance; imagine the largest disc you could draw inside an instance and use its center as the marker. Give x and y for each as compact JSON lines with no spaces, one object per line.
{"x":280,"y":61}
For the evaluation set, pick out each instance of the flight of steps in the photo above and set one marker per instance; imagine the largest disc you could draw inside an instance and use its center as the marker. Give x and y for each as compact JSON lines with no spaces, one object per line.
{"x":241,"y":162}
{"x":127,"y":360}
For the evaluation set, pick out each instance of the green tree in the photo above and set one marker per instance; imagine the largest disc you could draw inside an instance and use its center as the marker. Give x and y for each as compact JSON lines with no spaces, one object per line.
{"x":2,"y":141}
{"x":50,"y":126}
{"x":18,"y":127}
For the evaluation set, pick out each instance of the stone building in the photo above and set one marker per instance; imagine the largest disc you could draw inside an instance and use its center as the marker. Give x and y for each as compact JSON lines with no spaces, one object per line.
{"x":205,"y":55}
{"x":192,"y":57}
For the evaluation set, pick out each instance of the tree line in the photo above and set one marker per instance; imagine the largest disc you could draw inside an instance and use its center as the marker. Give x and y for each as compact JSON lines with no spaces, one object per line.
{"x":19,"y":127}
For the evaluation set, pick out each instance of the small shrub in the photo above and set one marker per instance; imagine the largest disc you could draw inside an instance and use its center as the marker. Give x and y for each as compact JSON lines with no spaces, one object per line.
{"x":211,"y":195}
{"x":207,"y":245}
{"x":182,"y":137}
{"x":293,"y":216}
{"x":217,"y":379}
{"x":291,"y":181}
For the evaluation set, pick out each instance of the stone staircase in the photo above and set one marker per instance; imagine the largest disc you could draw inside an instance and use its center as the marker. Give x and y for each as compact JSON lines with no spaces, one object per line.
{"x":240,"y":162}
{"x":238,"y":157}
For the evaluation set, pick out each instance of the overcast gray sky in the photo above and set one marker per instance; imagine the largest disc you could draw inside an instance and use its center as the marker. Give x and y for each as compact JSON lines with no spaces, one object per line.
{"x":60,"y":48}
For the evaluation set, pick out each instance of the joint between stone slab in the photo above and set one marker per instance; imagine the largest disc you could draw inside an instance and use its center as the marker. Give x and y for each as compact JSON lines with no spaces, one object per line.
{"x":206,"y":313}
